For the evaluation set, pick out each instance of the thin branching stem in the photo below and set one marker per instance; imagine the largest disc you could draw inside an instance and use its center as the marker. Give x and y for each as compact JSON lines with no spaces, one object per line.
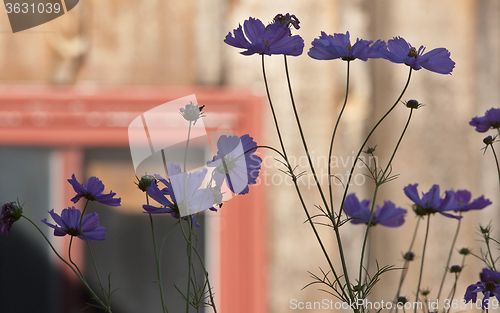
{"x":449,"y":258}
{"x":366,"y":140}
{"x":344,"y":266}
{"x":422,"y":263}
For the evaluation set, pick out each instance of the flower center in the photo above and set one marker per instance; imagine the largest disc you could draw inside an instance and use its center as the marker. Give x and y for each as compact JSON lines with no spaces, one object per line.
{"x":73,"y":232}
{"x":349,"y":47}
{"x":228,"y":164}
{"x":490,"y":286}
{"x":413,"y":53}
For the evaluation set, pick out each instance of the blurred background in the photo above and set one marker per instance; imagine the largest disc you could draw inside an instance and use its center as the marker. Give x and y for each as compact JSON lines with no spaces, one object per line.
{"x":70,"y":87}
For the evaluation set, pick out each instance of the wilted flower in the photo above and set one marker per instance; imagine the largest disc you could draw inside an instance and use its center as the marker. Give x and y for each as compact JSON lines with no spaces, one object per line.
{"x":69,"y":224}
{"x":400,"y":51}
{"x":328,"y":47}
{"x":287,"y":20}
{"x":489,"y":285}
{"x":11,"y":212}
{"x":273,"y":39}
{"x":463,"y":197}
{"x":236,"y":163}
{"x":491,"y":119}
{"x":192,"y":112}
{"x":431,"y":201}
{"x":388,"y":215}
{"x":93,"y":191}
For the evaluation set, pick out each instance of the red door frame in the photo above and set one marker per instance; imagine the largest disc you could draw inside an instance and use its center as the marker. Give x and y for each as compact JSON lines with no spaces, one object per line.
{"x":73,"y":118}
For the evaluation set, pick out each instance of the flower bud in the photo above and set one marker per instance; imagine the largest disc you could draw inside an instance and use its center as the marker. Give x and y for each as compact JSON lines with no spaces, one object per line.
{"x":11,"y":212}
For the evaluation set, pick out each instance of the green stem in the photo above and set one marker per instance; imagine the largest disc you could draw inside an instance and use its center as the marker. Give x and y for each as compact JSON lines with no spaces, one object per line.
{"x":372,"y":210}
{"x":82,"y":279}
{"x":344,"y":266}
{"x":406,"y":264}
{"x":366,"y":140}
{"x":397,"y":146}
{"x":449,"y":257}
{"x":496,"y":160}
{"x":333,"y":138}
{"x":423,"y":258}
{"x":157,"y":260}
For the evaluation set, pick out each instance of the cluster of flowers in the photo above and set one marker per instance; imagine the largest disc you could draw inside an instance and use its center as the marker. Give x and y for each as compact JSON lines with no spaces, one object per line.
{"x":276,"y":38}
{"x":235,"y":164}
{"x":430,"y":203}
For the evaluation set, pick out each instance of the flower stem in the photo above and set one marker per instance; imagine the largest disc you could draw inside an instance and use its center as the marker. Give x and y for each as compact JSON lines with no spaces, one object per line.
{"x":366,"y":140}
{"x":406,"y":264}
{"x":449,"y":257}
{"x":344,"y":266}
{"x":157,"y":259}
{"x":377,"y":185}
{"x":422,"y":263}
{"x":82,"y":279}
{"x":496,"y":160}
{"x":333,"y":138}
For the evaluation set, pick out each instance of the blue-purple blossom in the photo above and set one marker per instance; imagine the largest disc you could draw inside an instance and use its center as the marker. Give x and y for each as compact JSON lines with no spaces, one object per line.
{"x":431,"y":202}
{"x":68,"y":223}
{"x":489,"y":285}
{"x":400,"y":51}
{"x":11,"y":212}
{"x":273,"y":39}
{"x":328,"y":47}
{"x":464,"y":204}
{"x":388,"y":215}
{"x":236,"y":163}
{"x":182,"y":194}
{"x":93,"y":191}
{"x":491,"y":119}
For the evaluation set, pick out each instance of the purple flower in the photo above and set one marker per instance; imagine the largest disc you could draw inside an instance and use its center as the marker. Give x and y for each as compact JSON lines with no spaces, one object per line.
{"x":69,"y":224}
{"x":11,"y":212}
{"x":93,"y":191}
{"x":185,"y":196}
{"x":431,"y":201}
{"x":400,"y":51}
{"x":328,"y":47}
{"x":388,"y":215}
{"x":236,"y":163}
{"x":463,"y":197}
{"x":490,"y":120}
{"x":273,"y":39}
{"x":489,"y":285}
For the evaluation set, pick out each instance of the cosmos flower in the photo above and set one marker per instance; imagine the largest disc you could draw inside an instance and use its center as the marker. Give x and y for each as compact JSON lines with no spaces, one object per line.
{"x":490,"y":120}
{"x":400,"y":51}
{"x":463,"y":197}
{"x":236,"y":163}
{"x":93,"y":191}
{"x":328,"y":47}
{"x":11,"y":212}
{"x":388,"y":215}
{"x":185,"y":196}
{"x":68,"y":223}
{"x":431,"y":202}
{"x":489,"y":285}
{"x":273,"y":39}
